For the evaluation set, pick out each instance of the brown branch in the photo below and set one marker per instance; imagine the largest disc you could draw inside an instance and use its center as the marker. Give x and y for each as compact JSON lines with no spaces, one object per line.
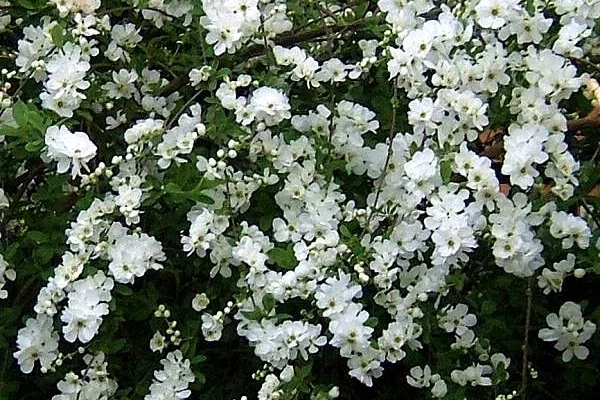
{"x":283,"y":40}
{"x":303,"y":36}
{"x":585,"y":62}
{"x":525,"y":348}
{"x":26,"y":179}
{"x":592,"y":120}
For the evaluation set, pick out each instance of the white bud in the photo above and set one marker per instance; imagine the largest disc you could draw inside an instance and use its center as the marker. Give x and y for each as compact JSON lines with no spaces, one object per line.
{"x":334,"y":392}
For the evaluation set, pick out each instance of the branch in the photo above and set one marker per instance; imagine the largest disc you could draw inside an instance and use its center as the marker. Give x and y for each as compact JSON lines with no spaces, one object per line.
{"x":26,"y":179}
{"x":592,"y":120}
{"x":283,"y":40}
{"x":525,"y":348}
{"x":585,"y":62}
{"x":303,"y":36}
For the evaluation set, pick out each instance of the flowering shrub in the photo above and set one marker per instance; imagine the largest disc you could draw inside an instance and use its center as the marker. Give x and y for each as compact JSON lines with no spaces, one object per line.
{"x":317,"y":199}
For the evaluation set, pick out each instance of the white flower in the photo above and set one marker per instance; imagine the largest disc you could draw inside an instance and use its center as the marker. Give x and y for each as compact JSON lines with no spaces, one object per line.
{"x":365,"y":365}
{"x":132,"y":255}
{"x":569,"y":330}
{"x":212,"y":327}
{"x":122,"y":85}
{"x":493,"y":13}
{"x":37,"y":341}
{"x":173,"y":380}
{"x":456,"y":319}
{"x":157,"y":343}
{"x":270,"y":105}
{"x":200,"y":302}
{"x":70,"y":149}
{"x":5,"y":274}
{"x":88,"y":303}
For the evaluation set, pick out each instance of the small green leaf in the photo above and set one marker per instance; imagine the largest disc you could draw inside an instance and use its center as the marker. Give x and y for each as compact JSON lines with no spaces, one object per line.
{"x":37,"y":236}
{"x":268,"y":302}
{"x":123,"y":290}
{"x":197,"y":359}
{"x":488,"y":307}
{"x":32,"y":4}
{"x":446,"y":170}
{"x":34,"y":146}
{"x":58,"y":35}
{"x":20,"y":111}
{"x":282,"y":257}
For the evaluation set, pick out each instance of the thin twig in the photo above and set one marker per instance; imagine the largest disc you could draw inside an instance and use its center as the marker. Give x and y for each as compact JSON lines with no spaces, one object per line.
{"x":590,"y":212}
{"x":388,"y":157}
{"x":525,"y":348}
{"x":182,"y":109}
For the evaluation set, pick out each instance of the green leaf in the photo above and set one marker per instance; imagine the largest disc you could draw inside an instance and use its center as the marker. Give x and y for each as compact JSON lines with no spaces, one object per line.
{"x":488,"y":307}
{"x":446,"y":170}
{"x":197,"y":359}
{"x":268,"y":302}
{"x":58,"y":35}
{"x":34,"y":146}
{"x":123,"y":290}
{"x":32,"y":4}
{"x":20,"y":111}
{"x":37,"y":236}
{"x":114,"y":346}
{"x":195,"y":195}
{"x":457,"y":280}
{"x":282,"y":257}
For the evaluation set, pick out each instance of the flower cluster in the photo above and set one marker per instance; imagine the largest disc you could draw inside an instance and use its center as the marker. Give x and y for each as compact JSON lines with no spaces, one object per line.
{"x":360,"y":183}
{"x":66,"y":78}
{"x":173,"y":380}
{"x":232,"y":23}
{"x":94,"y":382}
